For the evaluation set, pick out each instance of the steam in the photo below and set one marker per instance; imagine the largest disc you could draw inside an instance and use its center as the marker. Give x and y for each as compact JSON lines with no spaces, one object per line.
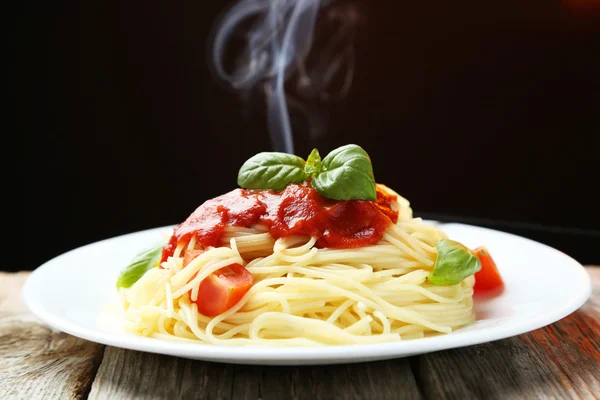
{"x":276,"y":50}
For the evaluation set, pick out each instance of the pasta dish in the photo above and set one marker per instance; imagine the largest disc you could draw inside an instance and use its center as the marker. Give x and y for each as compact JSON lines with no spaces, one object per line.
{"x":304,"y":253}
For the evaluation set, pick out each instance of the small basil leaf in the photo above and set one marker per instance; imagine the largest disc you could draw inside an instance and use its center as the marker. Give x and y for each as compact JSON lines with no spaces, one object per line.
{"x":313,"y":163}
{"x":143,"y":262}
{"x":454,"y":263}
{"x":346,"y":174}
{"x":271,"y":170}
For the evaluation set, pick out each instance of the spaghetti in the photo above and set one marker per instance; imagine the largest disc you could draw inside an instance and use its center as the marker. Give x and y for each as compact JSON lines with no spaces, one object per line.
{"x":303,"y":293}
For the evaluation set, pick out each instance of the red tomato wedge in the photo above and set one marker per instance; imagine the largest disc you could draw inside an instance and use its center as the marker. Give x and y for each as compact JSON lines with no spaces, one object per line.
{"x":222,"y":289}
{"x":488,"y":278}
{"x":189,"y":255}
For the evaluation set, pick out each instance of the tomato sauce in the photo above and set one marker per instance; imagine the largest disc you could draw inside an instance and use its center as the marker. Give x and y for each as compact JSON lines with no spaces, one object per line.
{"x":297,"y":210}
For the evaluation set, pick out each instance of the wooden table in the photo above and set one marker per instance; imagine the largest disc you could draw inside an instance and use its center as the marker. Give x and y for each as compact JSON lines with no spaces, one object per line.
{"x":559,"y":361}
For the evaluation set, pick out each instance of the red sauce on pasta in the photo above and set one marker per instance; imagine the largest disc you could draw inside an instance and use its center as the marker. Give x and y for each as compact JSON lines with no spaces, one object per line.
{"x":297,"y":210}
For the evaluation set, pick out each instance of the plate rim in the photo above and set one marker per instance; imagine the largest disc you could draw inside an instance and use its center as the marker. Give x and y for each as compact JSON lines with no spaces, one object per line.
{"x":311,"y":355}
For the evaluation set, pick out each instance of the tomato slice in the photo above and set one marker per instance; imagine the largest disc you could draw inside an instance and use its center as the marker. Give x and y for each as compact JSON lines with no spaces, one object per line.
{"x":189,"y":255}
{"x":222,"y":289}
{"x":488,"y":278}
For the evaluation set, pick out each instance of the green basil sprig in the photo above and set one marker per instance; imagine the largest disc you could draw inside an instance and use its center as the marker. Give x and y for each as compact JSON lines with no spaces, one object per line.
{"x":141,"y":263}
{"x":344,"y":174}
{"x":271,"y":170}
{"x":313,"y":163}
{"x":454,"y":263}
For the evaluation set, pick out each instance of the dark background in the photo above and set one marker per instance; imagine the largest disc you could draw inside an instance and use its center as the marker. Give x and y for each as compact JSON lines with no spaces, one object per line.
{"x":478,"y":112}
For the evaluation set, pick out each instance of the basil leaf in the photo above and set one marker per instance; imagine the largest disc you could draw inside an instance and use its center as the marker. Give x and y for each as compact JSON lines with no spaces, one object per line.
{"x":346,"y":174}
{"x":271,"y":170}
{"x":143,"y":262}
{"x":313,"y":163}
{"x":454,"y":263}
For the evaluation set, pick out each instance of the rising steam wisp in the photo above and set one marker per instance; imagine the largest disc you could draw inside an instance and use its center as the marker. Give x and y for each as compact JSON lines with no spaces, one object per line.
{"x":276,"y":47}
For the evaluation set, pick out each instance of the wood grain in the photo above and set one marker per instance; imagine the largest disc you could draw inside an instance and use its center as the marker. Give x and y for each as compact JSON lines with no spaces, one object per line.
{"x":35,"y":361}
{"x":561,"y":361}
{"x":126,"y":374}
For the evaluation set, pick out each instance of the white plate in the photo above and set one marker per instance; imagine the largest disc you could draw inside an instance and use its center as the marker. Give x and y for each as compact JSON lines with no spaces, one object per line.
{"x":543,"y":285}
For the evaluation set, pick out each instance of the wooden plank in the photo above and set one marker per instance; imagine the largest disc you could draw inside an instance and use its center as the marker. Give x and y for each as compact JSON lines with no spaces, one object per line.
{"x":559,"y":361}
{"x":10,"y":293}
{"x":35,"y":361}
{"x":126,"y":374}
